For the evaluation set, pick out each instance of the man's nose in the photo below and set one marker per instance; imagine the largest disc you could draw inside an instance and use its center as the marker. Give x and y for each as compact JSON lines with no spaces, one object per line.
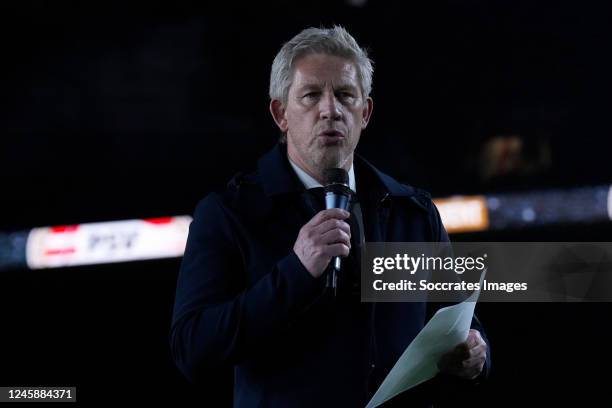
{"x":330,"y":107}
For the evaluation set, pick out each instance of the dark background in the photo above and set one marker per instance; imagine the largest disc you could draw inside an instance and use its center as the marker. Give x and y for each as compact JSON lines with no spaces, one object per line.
{"x":112,"y":115}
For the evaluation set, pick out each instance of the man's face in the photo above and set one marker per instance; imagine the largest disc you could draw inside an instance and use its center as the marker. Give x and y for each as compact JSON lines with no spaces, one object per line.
{"x":324,"y":114}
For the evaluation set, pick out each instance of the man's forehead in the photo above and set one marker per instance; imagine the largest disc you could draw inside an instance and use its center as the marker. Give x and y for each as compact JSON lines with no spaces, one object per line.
{"x":319,"y":68}
{"x":319,"y":77}
{"x":320,"y":83}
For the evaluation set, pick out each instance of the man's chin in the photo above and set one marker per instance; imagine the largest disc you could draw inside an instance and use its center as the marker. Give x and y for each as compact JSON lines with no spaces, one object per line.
{"x":332,"y":159}
{"x":331,"y":143}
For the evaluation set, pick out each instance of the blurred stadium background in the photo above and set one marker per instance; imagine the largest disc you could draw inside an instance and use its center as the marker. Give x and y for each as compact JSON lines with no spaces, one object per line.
{"x":115,"y":126}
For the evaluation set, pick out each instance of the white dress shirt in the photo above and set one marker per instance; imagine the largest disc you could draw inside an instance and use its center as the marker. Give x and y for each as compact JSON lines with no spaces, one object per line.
{"x":310,"y":182}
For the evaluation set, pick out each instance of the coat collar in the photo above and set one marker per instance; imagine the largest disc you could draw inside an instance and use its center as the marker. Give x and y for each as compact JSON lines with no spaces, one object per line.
{"x":278,"y":177}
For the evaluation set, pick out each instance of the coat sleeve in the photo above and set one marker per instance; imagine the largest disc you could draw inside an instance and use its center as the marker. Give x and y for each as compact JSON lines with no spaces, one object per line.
{"x":217,"y":319}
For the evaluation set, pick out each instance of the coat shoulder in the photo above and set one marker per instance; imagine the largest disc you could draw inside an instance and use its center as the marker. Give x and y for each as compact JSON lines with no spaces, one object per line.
{"x":244,"y":194}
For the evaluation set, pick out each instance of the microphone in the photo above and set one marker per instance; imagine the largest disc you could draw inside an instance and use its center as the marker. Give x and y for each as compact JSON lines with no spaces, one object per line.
{"x":337,"y":195}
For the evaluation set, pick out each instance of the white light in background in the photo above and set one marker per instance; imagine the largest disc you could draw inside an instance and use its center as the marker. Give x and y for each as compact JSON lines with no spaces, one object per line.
{"x":107,"y":242}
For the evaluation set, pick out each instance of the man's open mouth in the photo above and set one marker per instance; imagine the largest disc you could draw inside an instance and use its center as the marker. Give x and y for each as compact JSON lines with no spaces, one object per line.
{"x":332,"y":135}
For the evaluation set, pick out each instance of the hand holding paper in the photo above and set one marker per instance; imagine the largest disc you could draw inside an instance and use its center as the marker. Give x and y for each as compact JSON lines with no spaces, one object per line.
{"x":467,"y":359}
{"x":444,"y":331}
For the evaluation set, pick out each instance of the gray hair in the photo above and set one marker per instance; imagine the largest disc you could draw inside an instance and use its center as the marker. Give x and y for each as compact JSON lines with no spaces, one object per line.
{"x":334,"y":41}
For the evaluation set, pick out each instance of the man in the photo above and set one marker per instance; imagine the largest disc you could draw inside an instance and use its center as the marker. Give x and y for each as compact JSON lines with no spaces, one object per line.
{"x":251,"y":291}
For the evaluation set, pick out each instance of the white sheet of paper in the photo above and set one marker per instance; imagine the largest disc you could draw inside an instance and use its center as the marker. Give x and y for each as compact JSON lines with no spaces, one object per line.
{"x":444,"y":331}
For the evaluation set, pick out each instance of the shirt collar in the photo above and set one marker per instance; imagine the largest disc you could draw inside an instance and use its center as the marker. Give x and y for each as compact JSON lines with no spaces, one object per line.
{"x":310,"y":182}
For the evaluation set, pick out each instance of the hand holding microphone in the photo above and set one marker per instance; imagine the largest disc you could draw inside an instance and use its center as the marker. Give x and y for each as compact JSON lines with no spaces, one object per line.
{"x":327,"y":236}
{"x":337,"y":195}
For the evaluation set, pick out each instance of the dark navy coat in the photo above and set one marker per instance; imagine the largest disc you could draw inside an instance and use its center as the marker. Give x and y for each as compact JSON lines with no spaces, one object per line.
{"x":244,"y":298}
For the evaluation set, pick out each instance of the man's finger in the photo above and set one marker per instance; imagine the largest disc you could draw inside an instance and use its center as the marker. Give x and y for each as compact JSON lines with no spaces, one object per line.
{"x":478,"y":351}
{"x":330,"y":225}
{"x":474,"y":338}
{"x":479,"y":356}
{"x":337,"y":250}
{"x":336,"y":236}
{"x":325,"y":215}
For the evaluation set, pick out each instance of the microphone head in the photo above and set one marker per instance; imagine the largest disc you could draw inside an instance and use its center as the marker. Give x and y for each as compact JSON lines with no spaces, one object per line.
{"x":336,"y":176}
{"x":337,"y":182}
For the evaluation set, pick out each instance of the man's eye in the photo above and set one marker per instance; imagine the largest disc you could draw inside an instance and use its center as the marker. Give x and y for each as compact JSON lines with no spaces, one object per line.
{"x":311,"y":95}
{"x":345,"y":95}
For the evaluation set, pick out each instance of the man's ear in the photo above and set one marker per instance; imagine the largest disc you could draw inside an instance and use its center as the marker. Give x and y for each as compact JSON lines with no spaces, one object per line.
{"x":367,"y":112}
{"x":278,"y":113}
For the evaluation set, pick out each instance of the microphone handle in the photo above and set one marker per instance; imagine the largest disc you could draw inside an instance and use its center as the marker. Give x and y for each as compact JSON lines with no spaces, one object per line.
{"x":332,"y":276}
{"x":336,"y":201}
{"x":337,"y":263}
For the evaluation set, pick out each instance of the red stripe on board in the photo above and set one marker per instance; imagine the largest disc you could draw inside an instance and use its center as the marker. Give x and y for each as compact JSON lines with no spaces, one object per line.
{"x":60,"y":251}
{"x":64,"y":228}
{"x":160,"y":220}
